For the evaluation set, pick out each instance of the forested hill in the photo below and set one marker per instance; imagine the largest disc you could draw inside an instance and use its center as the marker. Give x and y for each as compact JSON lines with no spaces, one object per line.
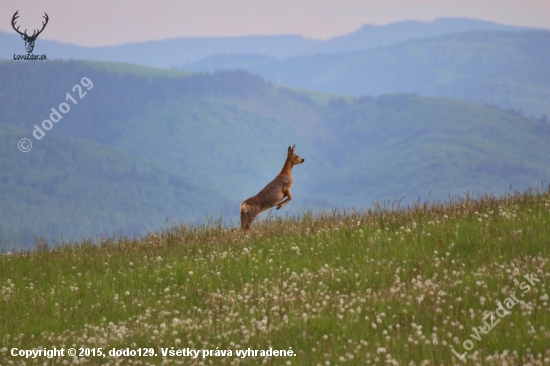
{"x":72,"y":188}
{"x":508,"y":69}
{"x":29,"y":91}
{"x":144,"y":148}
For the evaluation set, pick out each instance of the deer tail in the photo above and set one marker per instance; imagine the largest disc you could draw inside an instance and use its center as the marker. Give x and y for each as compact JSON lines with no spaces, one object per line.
{"x":245,"y":207}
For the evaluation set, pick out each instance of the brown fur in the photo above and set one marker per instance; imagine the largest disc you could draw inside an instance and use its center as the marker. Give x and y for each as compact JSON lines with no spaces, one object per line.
{"x":276,"y":193}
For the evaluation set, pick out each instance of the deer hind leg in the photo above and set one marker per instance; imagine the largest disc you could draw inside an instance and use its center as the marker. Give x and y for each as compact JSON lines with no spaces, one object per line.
{"x":251,"y":217}
{"x":248,"y":214}
{"x":245,"y":210}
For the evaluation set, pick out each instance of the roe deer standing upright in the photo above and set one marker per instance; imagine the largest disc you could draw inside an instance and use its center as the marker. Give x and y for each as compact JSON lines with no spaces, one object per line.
{"x":276,"y":193}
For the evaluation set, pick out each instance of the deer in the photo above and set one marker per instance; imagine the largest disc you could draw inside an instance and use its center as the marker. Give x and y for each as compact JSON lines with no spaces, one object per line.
{"x":29,"y":40}
{"x":276,"y":193}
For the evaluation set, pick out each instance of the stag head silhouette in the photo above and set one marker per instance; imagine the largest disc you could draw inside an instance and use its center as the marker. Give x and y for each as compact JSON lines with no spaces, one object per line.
{"x":29,"y":40}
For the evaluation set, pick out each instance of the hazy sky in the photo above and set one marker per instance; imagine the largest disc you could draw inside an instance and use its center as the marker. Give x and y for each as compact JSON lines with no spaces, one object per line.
{"x":109,"y":22}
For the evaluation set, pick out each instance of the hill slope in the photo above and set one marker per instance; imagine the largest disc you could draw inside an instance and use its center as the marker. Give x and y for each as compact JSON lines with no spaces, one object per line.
{"x":414,"y":285}
{"x":228,"y":132}
{"x":507,"y":69}
{"x":402,"y":144}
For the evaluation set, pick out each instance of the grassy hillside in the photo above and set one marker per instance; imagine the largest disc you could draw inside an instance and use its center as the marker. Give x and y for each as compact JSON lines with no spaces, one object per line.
{"x":402,"y":286}
{"x":68,"y":189}
{"x":508,"y":69}
{"x":228,"y":133}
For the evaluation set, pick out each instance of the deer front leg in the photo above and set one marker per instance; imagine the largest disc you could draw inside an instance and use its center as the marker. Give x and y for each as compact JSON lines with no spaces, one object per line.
{"x":285,"y":200}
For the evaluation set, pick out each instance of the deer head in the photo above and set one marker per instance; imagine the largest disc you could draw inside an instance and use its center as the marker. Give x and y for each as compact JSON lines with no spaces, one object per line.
{"x":294,"y":158}
{"x":29,"y":40}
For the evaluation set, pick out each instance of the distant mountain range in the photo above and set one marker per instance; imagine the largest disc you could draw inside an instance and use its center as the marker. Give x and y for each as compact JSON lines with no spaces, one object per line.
{"x":175,"y":52}
{"x":508,"y":69}
{"x":470,"y":60}
{"x":144,"y":148}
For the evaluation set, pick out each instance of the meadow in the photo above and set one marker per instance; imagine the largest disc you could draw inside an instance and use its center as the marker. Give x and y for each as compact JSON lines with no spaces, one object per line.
{"x":389,"y":285}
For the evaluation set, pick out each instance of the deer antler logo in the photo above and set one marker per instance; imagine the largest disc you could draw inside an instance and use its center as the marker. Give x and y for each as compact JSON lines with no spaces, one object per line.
{"x":29,"y":40}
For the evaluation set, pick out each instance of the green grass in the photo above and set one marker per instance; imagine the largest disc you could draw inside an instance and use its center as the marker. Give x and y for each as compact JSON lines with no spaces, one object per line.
{"x":385,"y":286}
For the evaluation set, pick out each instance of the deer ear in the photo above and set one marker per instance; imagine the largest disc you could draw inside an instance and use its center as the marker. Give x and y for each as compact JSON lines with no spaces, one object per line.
{"x":289,"y":150}
{"x":293,"y":148}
